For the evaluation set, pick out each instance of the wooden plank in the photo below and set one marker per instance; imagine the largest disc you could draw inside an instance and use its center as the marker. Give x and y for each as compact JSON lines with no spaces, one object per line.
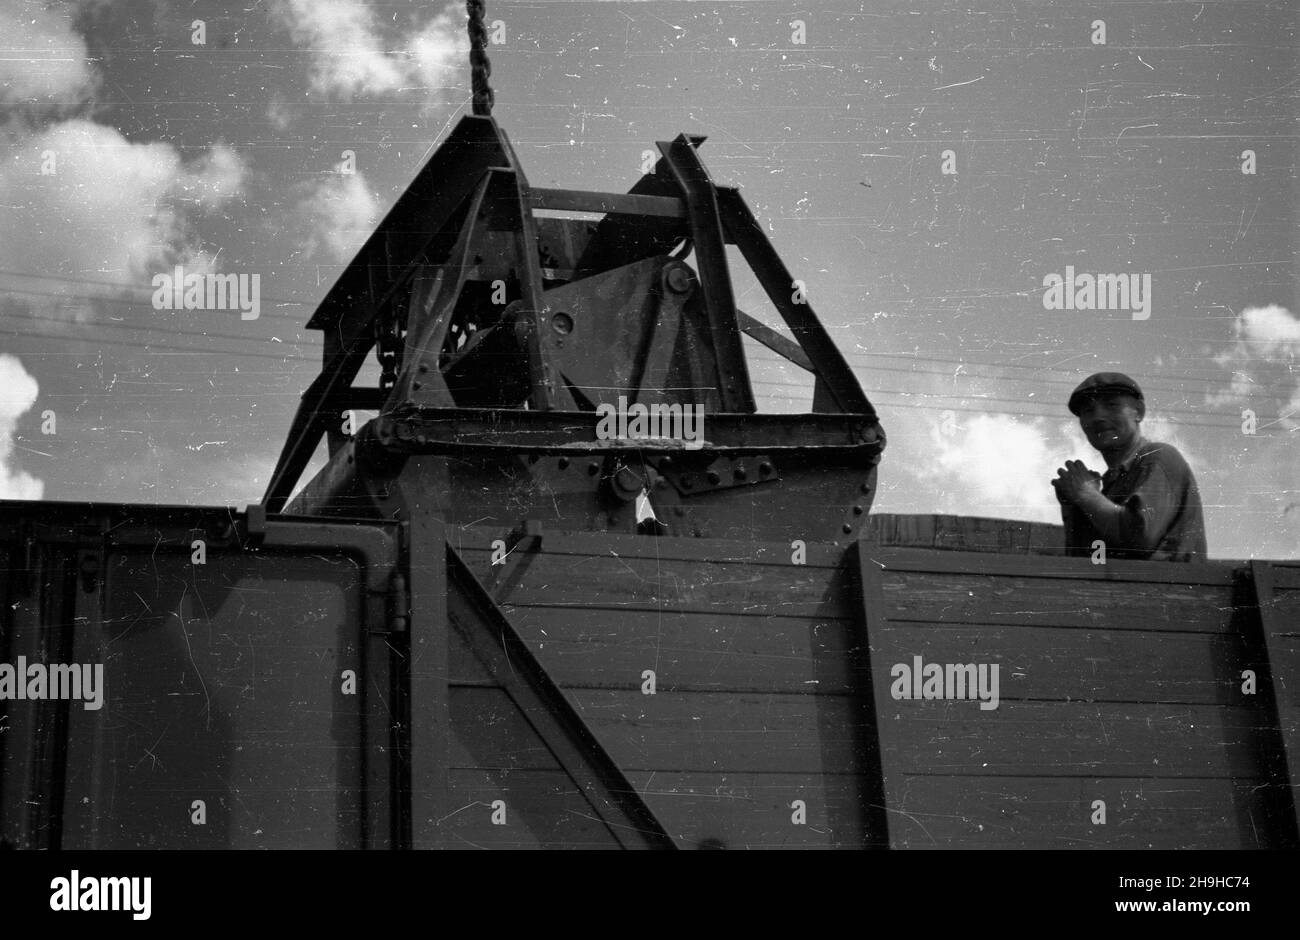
{"x":701,"y":810}
{"x":1282,"y":640}
{"x":1286,"y":577}
{"x":473,"y":540}
{"x":687,"y":652}
{"x":929,"y":812}
{"x":970,"y":598}
{"x":618,"y":583}
{"x":803,"y":734}
{"x":1067,"y":739}
{"x":489,"y":732}
{"x":1051,"y":664}
{"x":527,"y":696}
{"x":755,"y":810}
{"x":428,"y":701}
{"x":966,"y":533}
{"x":543,"y":809}
{"x":1040,"y":566}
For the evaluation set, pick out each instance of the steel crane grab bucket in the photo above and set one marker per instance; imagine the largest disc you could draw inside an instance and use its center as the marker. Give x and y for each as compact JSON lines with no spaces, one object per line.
{"x":582,"y":364}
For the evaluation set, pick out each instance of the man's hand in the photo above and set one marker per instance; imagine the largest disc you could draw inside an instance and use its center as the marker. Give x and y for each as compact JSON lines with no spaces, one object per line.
{"x":1075,"y":483}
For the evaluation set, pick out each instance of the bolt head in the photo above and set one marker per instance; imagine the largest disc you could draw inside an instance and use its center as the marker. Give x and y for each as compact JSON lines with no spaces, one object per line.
{"x":680,"y":279}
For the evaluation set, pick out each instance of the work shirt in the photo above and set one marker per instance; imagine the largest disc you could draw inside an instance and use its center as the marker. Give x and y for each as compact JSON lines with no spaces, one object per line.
{"x":1162,"y":518}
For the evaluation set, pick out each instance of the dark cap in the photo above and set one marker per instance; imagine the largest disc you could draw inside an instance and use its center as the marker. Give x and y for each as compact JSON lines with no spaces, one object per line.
{"x":1102,"y":382}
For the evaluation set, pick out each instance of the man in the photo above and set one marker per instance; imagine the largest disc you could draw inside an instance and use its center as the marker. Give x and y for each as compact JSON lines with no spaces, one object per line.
{"x":1147,"y":505}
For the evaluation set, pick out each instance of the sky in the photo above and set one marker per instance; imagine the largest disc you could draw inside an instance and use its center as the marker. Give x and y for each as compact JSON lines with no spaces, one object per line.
{"x":925,"y":168}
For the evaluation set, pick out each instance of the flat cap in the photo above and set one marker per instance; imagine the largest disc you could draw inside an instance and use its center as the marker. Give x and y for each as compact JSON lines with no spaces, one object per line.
{"x":1100,"y":382}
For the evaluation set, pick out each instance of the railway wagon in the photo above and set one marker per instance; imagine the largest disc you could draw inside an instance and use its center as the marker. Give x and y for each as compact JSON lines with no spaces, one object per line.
{"x":559,"y":584}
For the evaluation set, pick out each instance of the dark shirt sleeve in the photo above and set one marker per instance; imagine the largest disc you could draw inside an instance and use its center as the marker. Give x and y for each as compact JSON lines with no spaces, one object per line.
{"x":1149,"y":509}
{"x":1079,"y":532}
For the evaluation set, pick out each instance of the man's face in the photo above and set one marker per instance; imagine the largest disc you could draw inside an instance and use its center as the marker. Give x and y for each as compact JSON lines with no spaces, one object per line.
{"x":1110,"y":421}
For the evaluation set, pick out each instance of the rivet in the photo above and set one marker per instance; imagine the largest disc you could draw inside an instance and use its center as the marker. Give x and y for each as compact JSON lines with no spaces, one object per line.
{"x":739,"y":473}
{"x":765,"y":468}
{"x":866,"y":487}
{"x":417,"y":385}
{"x":564,"y":463}
{"x":847,"y":528}
{"x":679,"y":279}
{"x":422,"y":368}
{"x":857,"y":510}
{"x":593,"y":469}
{"x":714,"y":477}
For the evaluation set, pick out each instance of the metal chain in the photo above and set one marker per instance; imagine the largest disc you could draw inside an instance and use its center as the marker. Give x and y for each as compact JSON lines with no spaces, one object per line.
{"x":480,"y":67}
{"x":388,"y":331}
{"x":388,"y":349}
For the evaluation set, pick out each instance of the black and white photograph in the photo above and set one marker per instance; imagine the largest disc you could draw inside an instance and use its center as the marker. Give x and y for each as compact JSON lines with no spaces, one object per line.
{"x":620,"y":424}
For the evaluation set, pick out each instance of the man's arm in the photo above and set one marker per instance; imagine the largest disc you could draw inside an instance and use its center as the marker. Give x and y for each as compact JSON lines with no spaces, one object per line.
{"x":1079,"y":532}
{"x":1150,"y":509}
{"x":1143,"y":518}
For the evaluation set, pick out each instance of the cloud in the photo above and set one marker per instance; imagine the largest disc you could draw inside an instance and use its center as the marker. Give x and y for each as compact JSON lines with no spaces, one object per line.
{"x":995,"y":465}
{"x":441,"y":49}
{"x":81,"y":202}
{"x":18,"y":392}
{"x":112,"y":211}
{"x":338,"y":213}
{"x":1261,"y":363}
{"x":349,"y":57}
{"x":43,"y":61}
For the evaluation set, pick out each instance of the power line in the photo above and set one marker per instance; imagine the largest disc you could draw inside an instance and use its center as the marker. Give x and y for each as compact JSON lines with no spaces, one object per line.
{"x":123,"y":288}
{"x":146,"y":346}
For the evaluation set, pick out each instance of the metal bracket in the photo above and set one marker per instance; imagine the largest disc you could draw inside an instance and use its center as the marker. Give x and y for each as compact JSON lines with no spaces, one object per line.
{"x":724,"y":472}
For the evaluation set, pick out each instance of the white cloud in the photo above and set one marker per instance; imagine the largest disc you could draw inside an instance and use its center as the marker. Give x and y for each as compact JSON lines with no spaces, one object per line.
{"x":43,"y":61}
{"x":18,"y":392}
{"x":81,"y":201}
{"x":349,"y":54}
{"x":114,"y":211}
{"x":995,"y":465}
{"x":440,"y":50}
{"x":338,"y":213}
{"x":1261,"y":363}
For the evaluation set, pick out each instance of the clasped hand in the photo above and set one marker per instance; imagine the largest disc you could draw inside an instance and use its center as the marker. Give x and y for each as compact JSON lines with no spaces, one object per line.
{"x":1074,"y":481}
